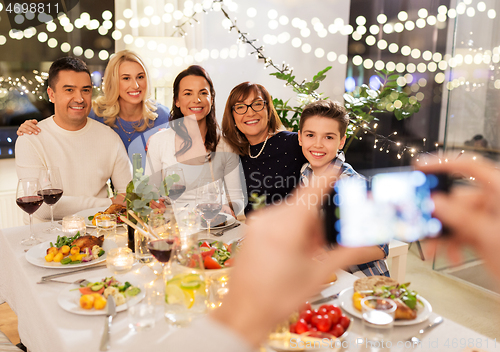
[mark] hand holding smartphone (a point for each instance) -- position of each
(366, 212)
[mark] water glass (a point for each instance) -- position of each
(142, 315)
(142, 253)
(378, 320)
(120, 260)
(106, 225)
(217, 288)
(72, 224)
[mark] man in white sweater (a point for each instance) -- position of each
(88, 153)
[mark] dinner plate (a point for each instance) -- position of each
(229, 221)
(36, 256)
(423, 312)
(69, 297)
(89, 212)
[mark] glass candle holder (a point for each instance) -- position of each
(120, 260)
(72, 224)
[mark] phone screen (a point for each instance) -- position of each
(388, 205)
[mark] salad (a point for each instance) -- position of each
(95, 294)
(217, 254)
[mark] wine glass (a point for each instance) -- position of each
(174, 182)
(52, 191)
(29, 199)
(209, 200)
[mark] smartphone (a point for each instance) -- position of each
(373, 210)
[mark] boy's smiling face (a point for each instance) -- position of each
(320, 140)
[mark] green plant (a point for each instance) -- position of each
(140, 193)
(361, 104)
(364, 102)
(306, 93)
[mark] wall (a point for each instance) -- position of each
(229, 63)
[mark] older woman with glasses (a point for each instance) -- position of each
(271, 157)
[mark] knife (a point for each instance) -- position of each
(221, 232)
(325, 299)
(53, 276)
(107, 324)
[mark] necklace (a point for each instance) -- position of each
(124, 130)
(261, 149)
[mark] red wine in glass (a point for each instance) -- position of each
(51, 196)
(30, 204)
(52, 191)
(161, 249)
(176, 191)
(29, 200)
(209, 210)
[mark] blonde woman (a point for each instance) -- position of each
(126, 105)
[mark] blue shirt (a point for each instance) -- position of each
(276, 171)
(136, 142)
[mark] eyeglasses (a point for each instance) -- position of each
(256, 106)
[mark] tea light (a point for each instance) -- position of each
(73, 224)
(120, 260)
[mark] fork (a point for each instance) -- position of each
(80, 282)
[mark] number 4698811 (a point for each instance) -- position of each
(33, 7)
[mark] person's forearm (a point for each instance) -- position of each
(371, 254)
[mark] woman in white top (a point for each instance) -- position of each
(194, 142)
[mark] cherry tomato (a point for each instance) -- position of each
(293, 329)
(324, 323)
(322, 310)
(306, 315)
(327, 306)
(337, 330)
(337, 309)
(208, 253)
(211, 263)
(305, 306)
(334, 316)
(315, 320)
(229, 262)
(344, 321)
(301, 327)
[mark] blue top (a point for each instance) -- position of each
(132, 143)
(276, 171)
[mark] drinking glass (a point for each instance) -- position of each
(51, 191)
(29, 199)
(106, 225)
(73, 224)
(120, 260)
(378, 319)
(209, 200)
(174, 182)
(185, 282)
(143, 314)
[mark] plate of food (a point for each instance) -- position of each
(411, 307)
(92, 299)
(90, 214)
(221, 221)
(67, 252)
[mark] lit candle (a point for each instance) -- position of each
(120, 260)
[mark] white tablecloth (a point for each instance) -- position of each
(46, 327)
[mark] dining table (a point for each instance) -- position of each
(46, 327)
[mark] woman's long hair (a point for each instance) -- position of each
(213, 135)
(107, 105)
(232, 135)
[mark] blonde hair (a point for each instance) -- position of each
(107, 105)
